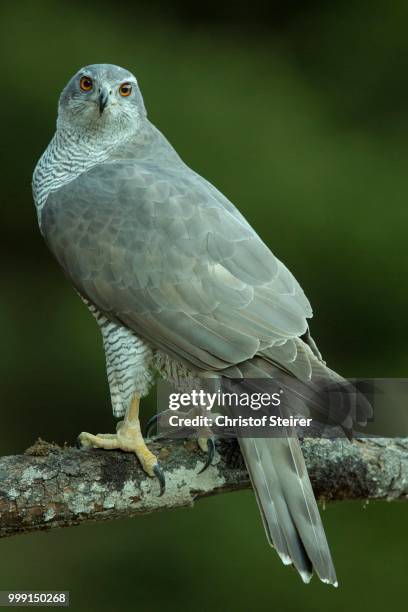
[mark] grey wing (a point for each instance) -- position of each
(160, 252)
(163, 253)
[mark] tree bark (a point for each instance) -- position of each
(50, 486)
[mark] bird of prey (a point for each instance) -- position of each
(179, 283)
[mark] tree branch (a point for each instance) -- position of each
(50, 486)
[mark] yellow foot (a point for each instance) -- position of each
(128, 438)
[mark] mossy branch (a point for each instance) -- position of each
(49, 486)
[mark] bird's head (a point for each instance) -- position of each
(100, 98)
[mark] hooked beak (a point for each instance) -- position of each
(103, 99)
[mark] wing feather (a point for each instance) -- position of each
(161, 250)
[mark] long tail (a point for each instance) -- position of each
(288, 506)
(276, 465)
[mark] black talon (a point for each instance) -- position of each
(78, 442)
(160, 477)
(151, 423)
(349, 433)
(210, 454)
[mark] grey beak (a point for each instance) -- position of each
(103, 99)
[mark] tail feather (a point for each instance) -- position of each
(288, 506)
(276, 465)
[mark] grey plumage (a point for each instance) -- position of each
(177, 277)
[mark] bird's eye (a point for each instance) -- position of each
(125, 90)
(86, 83)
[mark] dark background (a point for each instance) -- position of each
(298, 111)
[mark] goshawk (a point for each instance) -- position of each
(178, 282)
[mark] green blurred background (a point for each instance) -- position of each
(298, 111)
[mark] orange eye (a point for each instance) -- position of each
(86, 83)
(125, 89)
